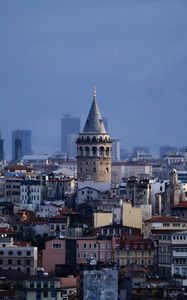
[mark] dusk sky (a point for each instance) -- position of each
(53, 52)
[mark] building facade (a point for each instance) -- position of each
(17, 257)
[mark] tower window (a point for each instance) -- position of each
(94, 151)
(107, 151)
(101, 151)
(107, 170)
(87, 151)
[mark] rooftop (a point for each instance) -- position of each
(170, 219)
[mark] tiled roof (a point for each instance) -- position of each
(182, 204)
(169, 219)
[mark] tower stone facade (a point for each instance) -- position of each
(94, 148)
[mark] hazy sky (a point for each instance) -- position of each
(53, 52)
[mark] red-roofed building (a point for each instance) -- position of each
(133, 249)
(163, 223)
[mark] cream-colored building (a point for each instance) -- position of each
(102, 219)
(131, 216)
(133, 250)
(163, 223)
(126, 215)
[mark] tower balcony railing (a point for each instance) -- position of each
(93, 141)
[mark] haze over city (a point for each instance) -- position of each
(53, 52)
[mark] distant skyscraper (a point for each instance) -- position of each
(69, 125)
(167, 150)
(116, 145)
(1, 148)
(21, 144)
(140, 149)
(71, 145)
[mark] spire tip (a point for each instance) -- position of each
(94, 92)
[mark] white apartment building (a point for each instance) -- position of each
(31, 195)
(17, 256)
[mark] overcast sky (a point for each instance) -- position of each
(53, 52)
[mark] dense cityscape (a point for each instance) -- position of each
(92, 221)
(93, 150)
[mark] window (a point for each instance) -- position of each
(45, 284)
(84, 245)
(38, 284)
(19, 262)
(53, 294)
(52, 285)
(1, 261)
(28, 270)
(9, 261)
(19, 253)
(1, 253)
(45, 294)
(28, 253)
(56, 246)
(28, 262)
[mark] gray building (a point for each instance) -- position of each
(69, 125)
(100, 284)
(165, 150)
(1, 148)
(116, 145)
(21, 144)
(141, 149)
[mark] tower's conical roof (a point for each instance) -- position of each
(94, 122)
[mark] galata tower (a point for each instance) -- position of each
(94, 148)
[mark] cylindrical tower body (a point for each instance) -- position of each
(94, 157)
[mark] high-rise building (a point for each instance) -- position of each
(1, 148)
(165, 150)
(94, 148)
(71, 145)
(140, 149)
(69, 125)
(21, 144)
(116, 145)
